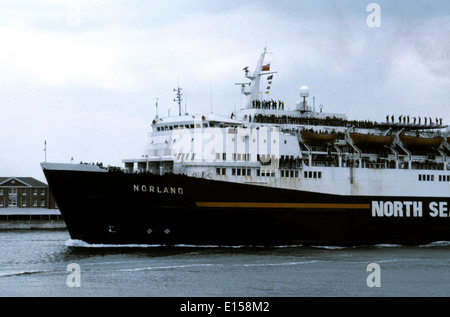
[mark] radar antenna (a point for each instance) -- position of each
(304, 92)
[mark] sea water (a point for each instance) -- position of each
(49, 264)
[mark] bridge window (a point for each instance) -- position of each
(427, 177)
(313, 174)
(221, 171)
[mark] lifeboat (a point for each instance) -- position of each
(372, 139)
(420, 142)
(311, 137)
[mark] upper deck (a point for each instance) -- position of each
(291, 133)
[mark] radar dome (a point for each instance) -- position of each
(304, 91)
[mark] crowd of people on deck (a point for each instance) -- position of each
(99, 164)
(328, 121)
(413, 120)
(268, 104)
(334, 121)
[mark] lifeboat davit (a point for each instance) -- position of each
(314, 138)
(372, 139)
(420, 142)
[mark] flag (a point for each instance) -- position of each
(265, 68)
(267, 92)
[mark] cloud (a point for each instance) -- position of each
(89, 89)
(55, 58)
(431, 42)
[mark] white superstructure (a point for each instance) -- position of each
(265, 144)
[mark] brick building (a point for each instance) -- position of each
(25, 192)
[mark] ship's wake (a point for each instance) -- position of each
(17, 273)
(83, 244)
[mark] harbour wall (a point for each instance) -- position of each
(31, 218)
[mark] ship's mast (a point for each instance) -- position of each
(252, 93)
(178, 99)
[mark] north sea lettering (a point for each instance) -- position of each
(409, 209)
(396, 209)
(171, 190)
(438, 209)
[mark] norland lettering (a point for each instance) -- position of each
(171, 190)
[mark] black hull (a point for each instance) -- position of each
(118, 208)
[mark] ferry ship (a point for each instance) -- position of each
(269, 174)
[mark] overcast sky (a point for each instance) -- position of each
(85, 75)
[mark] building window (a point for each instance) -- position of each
(24, 203)
(12, 202)
(42, 202)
